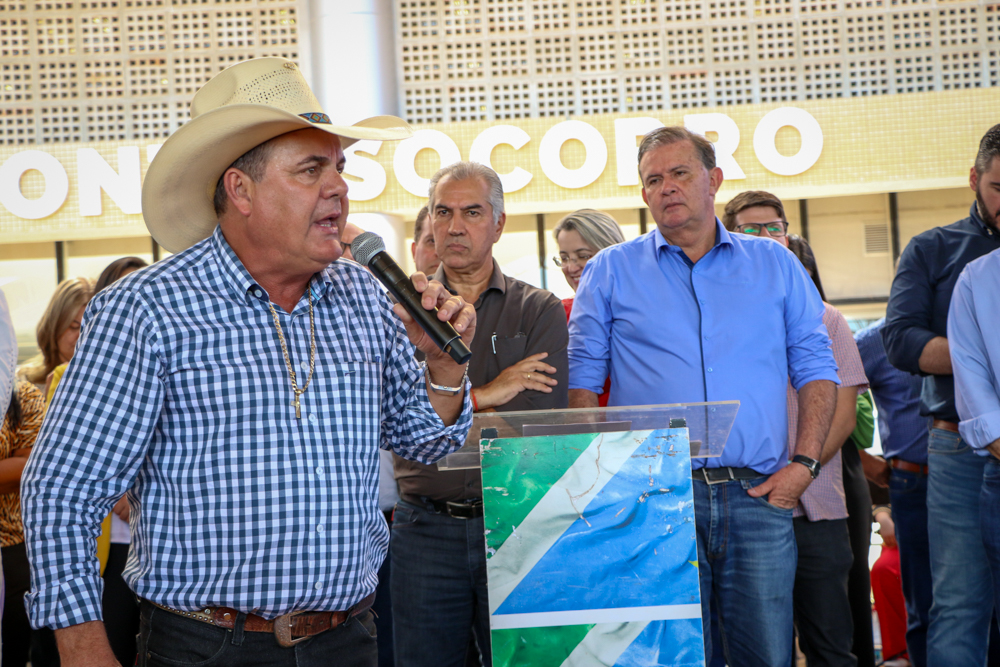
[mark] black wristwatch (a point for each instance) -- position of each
(812, 464)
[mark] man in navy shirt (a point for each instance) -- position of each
(904, 443)
(733, 317)
(916, 341)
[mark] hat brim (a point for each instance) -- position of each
(179, 187)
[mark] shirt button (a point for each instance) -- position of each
(319, 528)
(319, 470)
(304, 366)
(701, 301)
(312, 419)
(709, 369)
(257, 293)
(318, 585)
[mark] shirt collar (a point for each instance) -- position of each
(497, 280)
(722, 237)
(978, 221)
(242, 283)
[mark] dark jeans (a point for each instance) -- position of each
(908, 494)
(438, 588)
(16, 629)
(746, 569)
(169, 640)
(120, 608)
(989, 517)
(822, 610)
(859, 583)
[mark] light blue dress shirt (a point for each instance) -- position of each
(735, 326)
(973, 323)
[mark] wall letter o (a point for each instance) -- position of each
(406, 153)
(767, 129)
(56, 184)
(593, 165)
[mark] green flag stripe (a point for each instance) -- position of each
(538, 647)
(524, 475)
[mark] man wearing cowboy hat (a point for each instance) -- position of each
(239, 391)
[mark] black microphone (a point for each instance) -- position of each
(369, 250)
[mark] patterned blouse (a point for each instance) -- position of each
(32, 411)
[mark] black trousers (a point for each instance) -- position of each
(15, 627)
(859, 526)
(822, 609)
(169, 640)
(120, 608)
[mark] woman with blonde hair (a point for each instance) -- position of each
(59, 329)
(581, 235)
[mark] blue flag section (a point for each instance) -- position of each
(592, 550)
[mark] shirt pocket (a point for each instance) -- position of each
(510, 350)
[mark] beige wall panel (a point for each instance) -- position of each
(837, 236)
(920, 211)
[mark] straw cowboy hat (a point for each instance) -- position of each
(240, 108)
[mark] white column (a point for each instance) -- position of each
(352, 57)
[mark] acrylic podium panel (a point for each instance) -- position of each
(590, 534)
(708, 426)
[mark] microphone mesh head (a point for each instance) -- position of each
(365, 246)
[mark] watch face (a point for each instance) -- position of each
(811, 464)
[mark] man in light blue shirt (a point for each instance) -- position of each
(731, 317)
(973, 322)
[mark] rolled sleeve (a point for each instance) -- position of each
(90, 447)
(909, 312)
(808, 343)
(975, 389)
(410, 426)
(590, 330)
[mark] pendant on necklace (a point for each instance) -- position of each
(298, 409)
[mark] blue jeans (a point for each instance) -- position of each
(908, 494)
(989, 516)
(746, 563)
(961, 611)
(438, 583)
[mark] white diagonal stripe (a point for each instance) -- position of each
(548, 619)
(563, 504)
(604, 644)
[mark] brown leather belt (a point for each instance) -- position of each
(288, 629)
(945, 425)
(915, 468)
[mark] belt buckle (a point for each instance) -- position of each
(283, 630)
(710, 481)
(460, 510)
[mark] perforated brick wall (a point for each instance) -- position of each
(531, 58)
(97, 70)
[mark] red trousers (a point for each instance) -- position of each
(887, 588)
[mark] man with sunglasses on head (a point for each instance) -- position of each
(822, 607)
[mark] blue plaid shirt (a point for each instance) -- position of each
(178, 393)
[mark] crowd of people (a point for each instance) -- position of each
(228, 457)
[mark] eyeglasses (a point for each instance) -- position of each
(566, 260)
(776, 229)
